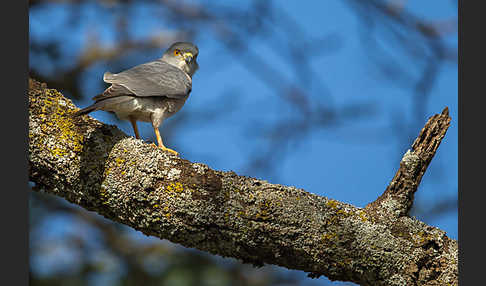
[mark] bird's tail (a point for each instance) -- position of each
(107, 76)
(86, 110)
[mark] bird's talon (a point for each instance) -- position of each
(171, 151)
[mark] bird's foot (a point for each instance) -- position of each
(170, 151)
(165, 149)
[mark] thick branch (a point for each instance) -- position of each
(101, 169)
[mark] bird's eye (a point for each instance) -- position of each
(177, 52)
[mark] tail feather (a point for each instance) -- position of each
(107, 76)
(86, 110)
(103, 104)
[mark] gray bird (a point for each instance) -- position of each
(150, 92)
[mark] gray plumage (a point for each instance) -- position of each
(152, 79)
(150, 92)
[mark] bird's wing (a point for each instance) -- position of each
(155, 78)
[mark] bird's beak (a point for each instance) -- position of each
(188, 57)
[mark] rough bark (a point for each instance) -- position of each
(100, 168)
(397, 199)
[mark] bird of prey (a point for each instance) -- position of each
(150, 92)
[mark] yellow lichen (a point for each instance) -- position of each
(264, 210)
(167, 214)
(55, 120)
(326, 237)
(175, 187)
(332, 220)
(332, 204)
(343, 212)
(362, 215)
(119, 161)
(423, 237)
(102, 191)
(107, 171)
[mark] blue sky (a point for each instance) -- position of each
(353, 162)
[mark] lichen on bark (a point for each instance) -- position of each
(100, 168)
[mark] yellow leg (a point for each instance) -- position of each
(135, 128)
(161, 144)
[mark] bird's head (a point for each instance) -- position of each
(182, 55)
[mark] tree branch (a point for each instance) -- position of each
(398, 196)
(102, 169)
